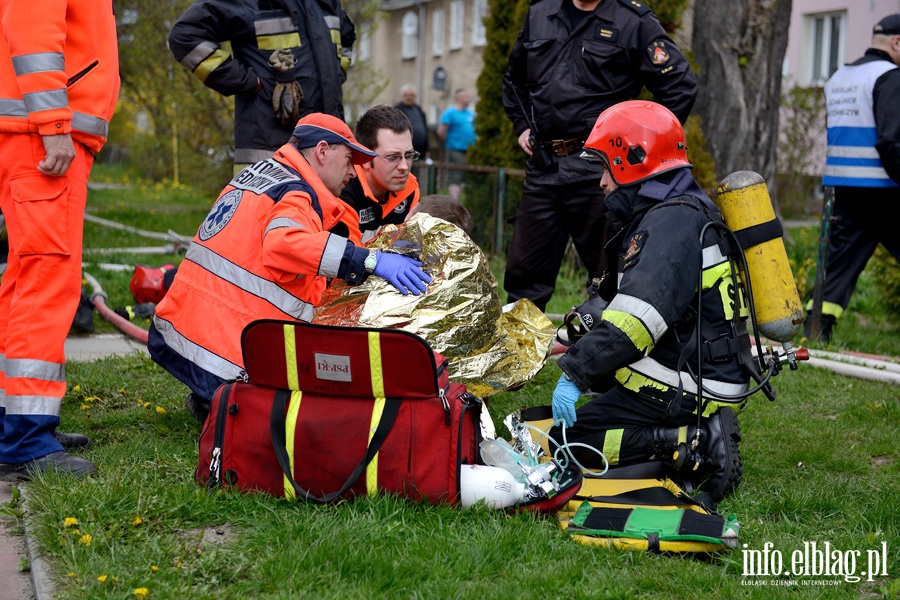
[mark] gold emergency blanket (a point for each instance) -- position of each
(490, 348)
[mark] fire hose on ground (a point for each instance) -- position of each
(98, 299)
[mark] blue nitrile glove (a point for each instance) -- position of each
(564, 397)
(402, 272)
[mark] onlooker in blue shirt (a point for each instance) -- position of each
(457, 131)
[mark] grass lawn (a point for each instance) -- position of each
(821, 465)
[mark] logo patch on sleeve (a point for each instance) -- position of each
(658, 53)
(220, 214)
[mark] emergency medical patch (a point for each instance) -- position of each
(658, 53)
(401, 208)
(220, 215)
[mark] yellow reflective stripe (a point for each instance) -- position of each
(612, 445)
(274, 42)
(210, 64)
(631, 326)
(682, 434)
(377, 408)
(828, 308)
(336, 39)
(290, 432)
(290, 356)
(713, 274)
(634, 381)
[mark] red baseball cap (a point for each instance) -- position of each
(319, 127)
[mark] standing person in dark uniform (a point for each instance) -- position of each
(863, 166)
(416, 116)
(659, 334)
(384, 190)
(296, 51)
(572, 60)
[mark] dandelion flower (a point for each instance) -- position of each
(70, 575)
(86, 539)
(137, 521)
(154, 568)
(84, 407)
(70, 522)
(141, 592)
(102, 578)
(161, 410)
(146, 405)
(77, 388)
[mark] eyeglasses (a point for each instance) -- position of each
(396, 158)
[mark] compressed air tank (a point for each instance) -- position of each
(744, 201)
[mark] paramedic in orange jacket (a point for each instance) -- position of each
(384, 190)
(265, 251)
(59, 80)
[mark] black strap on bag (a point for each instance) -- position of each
(279, 441)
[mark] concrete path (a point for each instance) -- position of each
(34, 582)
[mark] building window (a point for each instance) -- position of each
(457, 16)
(479, 14)
(410, 29)
(825, 34)
(437, 32)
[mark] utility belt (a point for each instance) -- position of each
(566, 147)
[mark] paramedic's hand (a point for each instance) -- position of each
(60, 154)
(402, 272)
(564, 397)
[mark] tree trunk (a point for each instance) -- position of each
(740, 46)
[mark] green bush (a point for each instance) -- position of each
(886, 273)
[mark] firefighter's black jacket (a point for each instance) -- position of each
(568, 76)
(227, 44)
(653, 308)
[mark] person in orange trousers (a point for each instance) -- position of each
(59, 82)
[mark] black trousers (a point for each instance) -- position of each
(862, 218)
(548, 215)
(641, 418)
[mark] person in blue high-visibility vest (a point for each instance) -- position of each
(862, 165)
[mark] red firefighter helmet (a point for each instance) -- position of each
(636, 140)
(150, 284)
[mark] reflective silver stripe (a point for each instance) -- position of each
(89, 124)
(856, 172)
(250, 283)
(713, 256)
(332, 256)
(652, 369)
(283, 222)
(248, 156)
(12, 108)
(333, 22)
(37, 101)
(35, 369)
(649, 316)
(33, 405)
(274, 26)
(39, 63)
(2, 398)
(200, 53)
(853, 152)
(196, 353)
(3, 362)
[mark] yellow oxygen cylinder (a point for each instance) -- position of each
(747, 210)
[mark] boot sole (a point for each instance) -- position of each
(731, 431)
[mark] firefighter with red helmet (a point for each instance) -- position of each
(667, 350)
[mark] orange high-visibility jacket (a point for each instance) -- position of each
(58, 73)
(265, 251)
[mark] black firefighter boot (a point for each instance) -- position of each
(714, 466)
